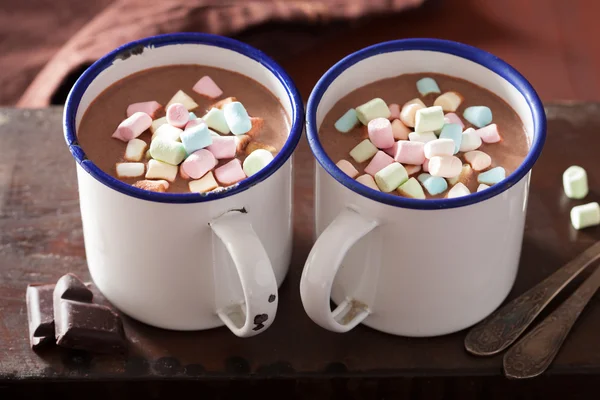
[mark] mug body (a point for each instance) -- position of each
(154, 255)
(430, 267)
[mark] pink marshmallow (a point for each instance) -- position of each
(230, 173)
(489, 134)
(394, 111)
(197, 164)
(380, 133)
(399, 130)
(392, 150)
(410, 152)
(446, 166)
(426, 165)
(133, 126)
(177, 115)
(148, 107)
(378, 162)
(223, 147)
(207, 87)
(452, 118)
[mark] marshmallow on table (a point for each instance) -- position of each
(237, 118)
(410, 152)
(470, 140)
(197, 164)
(130, 169)
(161, 170)
(449, 101)
(453, 132)
(168, 151)
(223, 147)
(219, 104)
(363, 151)
(433, 184)
(177, 115)
(215, 119)
(482, 186)
(256, 161)
(204, 184)
(412, 169)
(378, 162)
(464, 175)
(399, 130)
(438, 148)
(160, 186)
(427, 85)
(368, 181)
(412, 188)
(489, 134)
(196, 136)
(157, 123)
(478, 160)
(394, 111)
(347, 121)
(135, 150)
(585, 215)
(372, 109)
(423, 137)
(429, 119)
(445, 167)
(391, 177)
(492, 176)
(167, 131)
(230, 173)
(380, 133)
(133, 126)
(409, 111)
(347, 168)
(479, 116)
(183, 98)
(148, 107)
(451, 118)
(257, 145)
(207, 87)
(575, 182)
(458, 190)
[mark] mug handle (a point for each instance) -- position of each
(255, 272)
(321, 267)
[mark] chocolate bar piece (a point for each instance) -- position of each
(40, 314)
(70, 287)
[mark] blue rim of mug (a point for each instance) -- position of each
(467, 52)
(136, 47)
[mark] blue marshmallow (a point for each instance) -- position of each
(433, 184)
(492, 176)
(196, 137)
(479, 116)
(193, 116)
(347, 121)
(237, 118)
(454, 132)
(427, 85)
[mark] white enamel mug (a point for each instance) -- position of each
(188, 261)
(406, 266)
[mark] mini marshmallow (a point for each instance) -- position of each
(347, 168)
(215, 119)
(575, 183)
(409, 112)
(449, 101)
(585, 215)
(412, 188)
(347, 121)
(489, 134)
(492, 176)
(433, 184)
(380, 133)
(222, 147)
(133, 126)
(182, 173)
(368, 181)
(161, 170)
(427, 85)
(196, 136)
(445, 167)
(438, 148)
(470, 140)
(148, 107)
(135, 150)
(378, 162)
(183, 98)
(391, 151)
(423, 137)
(192, 116)
(157, 123)
(390, 177)
(160, 186)
(197, 164)
(412, 169)
(237, 118)
(453, 132)
(458, 190)
(394, 111)
(479, 116)
(219, 104)
(464, 175)
(242, 142)
(204, 184)
(426, 165)
(167, 131)
(257, 124)
(372, 109)
(399, 130)
(482, 186)
(416, 100)
(363, 151)
(207, 87)
(177, 115)
(429, 119)
(168, 151)
(478, 160)
(257, 145)
(230, 173)
(410, 152)
(130, 169)
(256, 161)
(451, 118)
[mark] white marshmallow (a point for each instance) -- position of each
(135, 150)
(439, 148)
(423, 137)
(157, 123)
(458, 190)
(161, 170)
(449, 101)
(446, 167)
(183, 98)
(130, 170)
(470, 140)
(478, 160)
(482, 186)
(169, 132)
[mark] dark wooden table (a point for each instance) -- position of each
(41, 239)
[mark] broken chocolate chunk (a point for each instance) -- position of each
(40, 314)
(70, 287)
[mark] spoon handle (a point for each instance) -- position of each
(503, 327)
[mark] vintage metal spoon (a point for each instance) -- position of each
(533, 354)
(503, 327)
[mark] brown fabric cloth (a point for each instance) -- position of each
(47, 44)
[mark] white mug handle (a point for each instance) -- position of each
(256, 276)
(321, 267)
